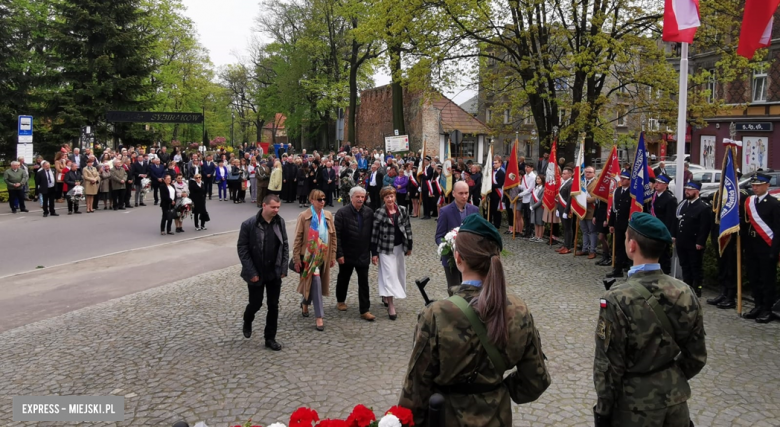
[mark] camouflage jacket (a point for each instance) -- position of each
(447, 352)
(638, 366)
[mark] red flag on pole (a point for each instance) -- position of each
(512, 177)
(552, 179)
(681, 19)
(606, 181)
(756, 31)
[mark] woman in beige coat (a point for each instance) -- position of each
(91, 183)
(104, 189)
(314, 256)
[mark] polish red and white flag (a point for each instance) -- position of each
(681, 19)
(756, 31)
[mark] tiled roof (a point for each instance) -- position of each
(280, 119)
(454, 117)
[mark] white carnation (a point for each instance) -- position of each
(277, 425)
(390, 420)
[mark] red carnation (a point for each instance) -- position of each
(361, 417)
(333, 423)
(303, 417)
(403, 414)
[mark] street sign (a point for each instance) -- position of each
(754, 127)
(26, 151)
(25, 129)
(456, 137)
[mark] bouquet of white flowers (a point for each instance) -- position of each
(447, 246)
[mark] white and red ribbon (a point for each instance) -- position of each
(761, 227)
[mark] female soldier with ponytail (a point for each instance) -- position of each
(463, 345)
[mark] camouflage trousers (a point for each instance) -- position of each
(673, 416)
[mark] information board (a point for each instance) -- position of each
(396, 144)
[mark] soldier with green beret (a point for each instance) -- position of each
(465, 344)
(649, 338)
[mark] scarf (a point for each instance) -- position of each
(317, 243)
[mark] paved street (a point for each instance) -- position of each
(176, 350)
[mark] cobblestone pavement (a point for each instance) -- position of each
(177, 351)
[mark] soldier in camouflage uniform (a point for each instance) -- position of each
(448, 357)
(645, 355)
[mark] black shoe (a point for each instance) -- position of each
(247, 330)
(24, 210)
(273, 345)
(54, 214)
(121, 209)
(727, 303)
(618, 273)
(717, 300)
(752, 314)
(426, 217)
(45, 214)
(128, 207)
(136, 205)
(392, 316)
(70, 213)
(171, 233)
(156, 202)
(13, 210)
(142, 204)
(77, 213)
(766, 316)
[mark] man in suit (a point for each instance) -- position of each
(164, 156)
(45, 185)
(563, 210)
(496, 193)
(429, 203)
(78, 159)
(194, 168)
(289, 179)
(690, 235)
(262, 178)
(157, 175)
(140, 171)
(660, 170)
(374, 185)
(618, 222)
(761, 230)
(329, 180)
(452, 216)
(541, 165)
(664, 206)
(208, 172)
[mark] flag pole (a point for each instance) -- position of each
(682, 109)
(576, 232)
(613, 250)
(739, 274)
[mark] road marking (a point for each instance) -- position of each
(203, 236)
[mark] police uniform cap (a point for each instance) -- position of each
(625, 174)
(663, 178)
(693, 185)
(650, 227)
(475, 224)
(761, 178)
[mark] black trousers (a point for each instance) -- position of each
(118, 196)
(273, 288)
(16, 197)
(495, 214)
(691, 262)
(233, 188)
(209, 184)
(528, 228)
(568, 232)
(72, 206)
(666, 260)
(621, 259)
(510, 218)
(48, 201)
(429, 205)
(762, 271)
(155, 190)
(198, 217)
(292, 190)
(342, 285)
(727, 269)
(328, 196)
(165, 223)
(373, 193)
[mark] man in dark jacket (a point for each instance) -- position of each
(690, 235)
(354, 224)
(289, 179)
(157, 174)
(264, 252)
(664, 206)
(618, 223)
(140, 170)
(329, 182)
(209, 171)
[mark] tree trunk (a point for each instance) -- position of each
(398, 93)
(352, 116)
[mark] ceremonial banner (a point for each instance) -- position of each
(446, 170)
(729, 200)
(605, 184)
(756, 31)
(681, 19)
(641, 191)
(421, 169)
(487, 173)
(512, 178)
(579, 191)
(552, 179)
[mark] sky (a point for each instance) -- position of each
(225, 28)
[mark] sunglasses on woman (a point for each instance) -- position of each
(320, 200)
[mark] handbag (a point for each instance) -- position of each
(243, 185)
(170, 215)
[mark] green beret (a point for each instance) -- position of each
(650, 227)
(475, 224)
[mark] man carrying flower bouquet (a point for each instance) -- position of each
(452, 216)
